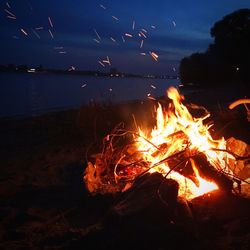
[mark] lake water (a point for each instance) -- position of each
(31, 94)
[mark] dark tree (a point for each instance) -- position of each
(227, 58)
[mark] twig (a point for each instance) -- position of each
(237, 157)
(162, 161)
(135, 123)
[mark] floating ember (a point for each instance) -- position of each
(180, 147)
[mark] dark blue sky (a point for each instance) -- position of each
(175, 28)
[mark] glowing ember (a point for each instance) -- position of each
(151, 98)
(107, 61)
(102, 6)
(133, 25)
(112, 39)
(128, 35)
(141, 44)
(141, 33)
(8, 5)
(10, 13)
(36, 34)
(11, 17)
(101, 63)
(95, 40)
(51, 34)
(154, 55)
(114, 17)
(50, 22)
(98, 36)
(24, 32)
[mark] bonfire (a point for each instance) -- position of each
(180, 147)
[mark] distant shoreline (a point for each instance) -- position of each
(72, 71)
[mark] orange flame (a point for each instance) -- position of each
(193, 134)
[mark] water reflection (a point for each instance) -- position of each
(26, 94)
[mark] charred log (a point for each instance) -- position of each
(150, 216)
(148, 190)
(207, 171)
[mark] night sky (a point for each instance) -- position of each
(83, 32)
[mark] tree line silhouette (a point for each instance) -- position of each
(227, 59)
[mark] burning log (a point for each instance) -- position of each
(207, 171)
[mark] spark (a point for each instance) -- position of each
(133, 25)
(152, 86)
(84, 85)
(143, 53)
(123, 39)
(97, 41)
(24, 32)
(153, 27)
(50, 22)
(72, 68)
(114, 17)
(97, 34)
(107, 61)
(145, 31)
(154, 55)
(36, 34)
(174, 23)
(39, 28)
(103, 7)
(10, 13)
(128, 35)
(62, 52)
(143, 34)
(174, 69)
(11, 17)
(101, 63)
(59, 47)
(139, 34)
(8, 5)
(51, 34)
(110, 89)
(112, 39)
(151, 98)
(141, 44)
(148, 94)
